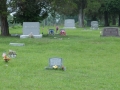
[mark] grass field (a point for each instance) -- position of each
(92, 62)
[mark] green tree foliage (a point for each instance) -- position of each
(65, 7)
(92, 9)
(31, 11)
(110, 10)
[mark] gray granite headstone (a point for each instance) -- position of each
(69, 23)
(94, 24)
(55, 61)
(110, 31)
(29, 27)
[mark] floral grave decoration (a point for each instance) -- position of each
(7, 57)
(56, 67)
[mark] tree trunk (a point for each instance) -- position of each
(4, 23)
(106, 18)
(4, 26)
(119, 20)
(113, 19)
(81, 18)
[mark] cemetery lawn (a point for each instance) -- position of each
(92, 62)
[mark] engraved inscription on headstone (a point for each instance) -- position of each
(29, 27)
(110, 31)
(94, 24)
(69, 23)
(55, 61)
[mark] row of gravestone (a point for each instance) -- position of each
(33, 29)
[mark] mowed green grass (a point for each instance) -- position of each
(92, 62)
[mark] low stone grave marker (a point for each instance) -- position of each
(17, 44)
(110, 31)
(55, 63)
(69, 23)
(94, 25)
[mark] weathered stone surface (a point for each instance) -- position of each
(110, 31)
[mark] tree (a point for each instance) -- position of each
(81, 6)
(114, 7)
(92, 9)
(36, 7)
(62, 7)
(31, 11)
(110, 8)
(3, 16)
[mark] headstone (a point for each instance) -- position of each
(110, 31)
(55, 61)
(31, 27)
(69, 23)
(94, 24)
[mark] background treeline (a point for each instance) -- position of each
(52, 12)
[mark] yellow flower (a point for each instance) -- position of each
(55, 66)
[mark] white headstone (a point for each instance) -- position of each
(31, 28)
(69, 23)
(94, 24)
(55, 61)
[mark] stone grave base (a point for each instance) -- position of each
(69, 27)
(34, 36)
(17, 44)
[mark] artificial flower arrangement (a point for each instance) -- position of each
(5, 57)
(11, 54)
(31, 35)
(56, 67)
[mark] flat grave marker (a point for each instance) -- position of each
(17, 44)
